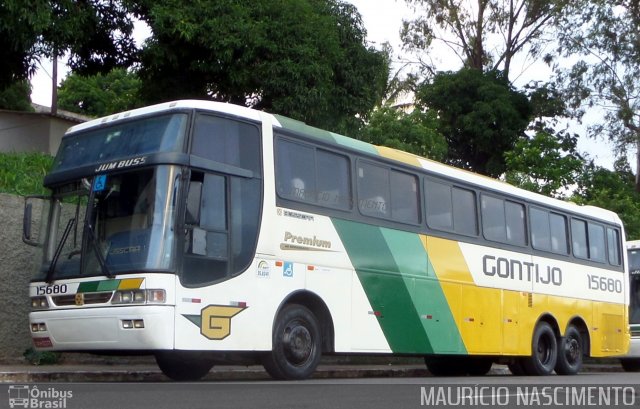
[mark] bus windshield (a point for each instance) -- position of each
(157, 134)
(634, 286)
(117, 223)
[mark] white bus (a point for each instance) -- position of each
(631, 362)
(204, 233)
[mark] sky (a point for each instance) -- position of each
(383, 21)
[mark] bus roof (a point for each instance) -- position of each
(353, 144)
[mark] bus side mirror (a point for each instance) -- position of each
(193, 203)
(28, 235)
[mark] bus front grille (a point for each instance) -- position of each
(89, 298)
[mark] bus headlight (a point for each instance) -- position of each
(39, 303)
(152, 296)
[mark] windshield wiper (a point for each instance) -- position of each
(96, 249)
(65, 235)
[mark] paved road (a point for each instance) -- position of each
(586, 390)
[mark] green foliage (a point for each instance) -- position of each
(544, 164)
(606, 37)
(22, 23)
(16, 97)
(517, 26)
(97, 35)
(415, 132)
(613, 190)
(23, 173)
(304, 59)
(481, 116)
(42, 357)
(100, 95)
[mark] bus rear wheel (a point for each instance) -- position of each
(544, 351)
(569, 352)
(296, 347)
(183, 365)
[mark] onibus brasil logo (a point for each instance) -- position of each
(30, 396)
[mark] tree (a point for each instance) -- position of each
(413, 132)
(544, 164)
(97, 34)
(606, 34)
(16, 96)
(22, 22)
(100, 95)
(480, 115)
(613, 190)
(484, 34)
(305, 59)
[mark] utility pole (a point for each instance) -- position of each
(54, 89)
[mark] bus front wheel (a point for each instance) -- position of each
(544, 351)
(183, 365)
(296, 345)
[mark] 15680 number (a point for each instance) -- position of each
(51, 289)
(604, 284)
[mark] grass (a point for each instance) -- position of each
(22, 173)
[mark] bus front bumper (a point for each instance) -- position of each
(136, 328)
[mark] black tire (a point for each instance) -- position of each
(297, 344)
(570, 352)
(544, 351)
(446, 365)
(630, 364)
(184, 365)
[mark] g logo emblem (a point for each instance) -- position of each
(216, 320)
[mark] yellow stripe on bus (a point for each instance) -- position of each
(130, 283)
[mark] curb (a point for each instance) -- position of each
(88, 373)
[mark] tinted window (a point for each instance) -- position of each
(227, 141)
(307, 174)
(493, 219)
(439, 206)
(464, 211)
(296, 172)
(558, 228)
(515, 220)
(613, 245)
(579, 238)
(540, 229)
(596, 242)
(134, 138)
(373, 190)
(450, 208)
(503, 221)
(404, 197)
(548, 231)
(334, 189)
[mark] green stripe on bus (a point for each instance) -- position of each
(301, 127)
(88, 287)
(426, 293)
(334, 138)
(108, 285)
(355, 144)
(385, 287)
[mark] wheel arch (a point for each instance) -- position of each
(319, 308)
(552, 321)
